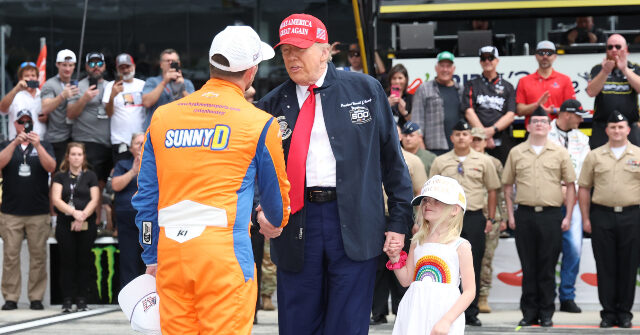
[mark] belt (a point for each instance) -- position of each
(537, 209)
(321, 194)
(616, 209)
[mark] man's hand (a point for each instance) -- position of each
(91, 92)
(586, 225)
(334, 48)
(392, 241)
(136, 165)
(118, 87)
(512, 222)
(608, 65)
(179, 78)
(34, 139)
(566, 224)
(69, 91)
(152, 270)
(621, 60)
(490, 143)
(21, 85)
(488, 226)
(266, 228)
(170, 75)
(503, 225)
(543, 98)
(21, 138)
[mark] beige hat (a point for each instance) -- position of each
(443, 189)
(140, 302)
(479, 133)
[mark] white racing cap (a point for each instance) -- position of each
(545, 45)
(444, 189)
(241, 46)
(65, 55)
(141, 304)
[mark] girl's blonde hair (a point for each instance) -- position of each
(454, 223)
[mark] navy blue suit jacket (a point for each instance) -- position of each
(364, 141)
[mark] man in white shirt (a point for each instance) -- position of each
(123, 103)
(25, 96)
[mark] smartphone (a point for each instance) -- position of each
(28, 127)
(33, 83)
(119, 77)
(395, 91)
(73, 82)
(93, 81)
(175, 65)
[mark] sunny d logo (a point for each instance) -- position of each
(110, 252)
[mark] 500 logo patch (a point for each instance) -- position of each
(360, 114)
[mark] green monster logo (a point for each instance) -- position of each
(111, 261)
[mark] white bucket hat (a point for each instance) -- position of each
(443, 189)
(141, 304)
(242, 47)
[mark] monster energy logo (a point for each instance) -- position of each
(110, 251)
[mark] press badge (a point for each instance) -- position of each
(24, 170)
(122, 148)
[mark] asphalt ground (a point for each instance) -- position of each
(108, 319)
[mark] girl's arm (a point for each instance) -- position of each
(405, 273)
(56, 198)
(468, 291)
(95, 201)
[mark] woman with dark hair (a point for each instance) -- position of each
(399, 99)
(75, 195)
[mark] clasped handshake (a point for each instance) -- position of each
(393, 245)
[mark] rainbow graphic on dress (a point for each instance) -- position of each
(433, 267)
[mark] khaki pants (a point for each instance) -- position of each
(486, 274)
(12, 230)
(268, 272)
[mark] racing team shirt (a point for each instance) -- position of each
(533, 86)
(616, 94)
(490, 99)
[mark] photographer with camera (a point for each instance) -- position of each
(25, 96)
(167, 87)
(26, 163)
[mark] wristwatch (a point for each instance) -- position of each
(493, 221)
(495, 129)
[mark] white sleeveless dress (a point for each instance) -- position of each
(434, 290)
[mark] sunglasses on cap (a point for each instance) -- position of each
(487, 57)
(27, 64)
(94, 64)
(544, 52)
(611, 46)
(354, 54)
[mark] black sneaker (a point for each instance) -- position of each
(569, 306)
(9, 305)
(36, 305)
(81, 304)
(376, 320)
(67, 305)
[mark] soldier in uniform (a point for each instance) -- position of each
(611, 216)
(476, 173)
(479, 144)
(538, 167)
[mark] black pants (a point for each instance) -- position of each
(257, 245)
(74, 250)
(599, 137)
(59, 149)
(614, 238)
(502, 152)
(539, 242)
(387, 283)
(131, 265)
(473, 231)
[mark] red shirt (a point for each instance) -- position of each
(533, 86)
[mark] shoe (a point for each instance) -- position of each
(376, 320)
(605, 323)
(36, 305)
(569, 306)
(527, 323)
(267, 305)
(473, 321)
(67, 305)
(483, 305)
(81, 304)
(625, 323)
(9, 305)
(546, 323)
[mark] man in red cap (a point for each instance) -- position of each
(340, 144)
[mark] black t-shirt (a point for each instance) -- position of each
(451, 102)
(408, 98)
(490, 99)
(25, 195)
(81, 188)
(616, 94)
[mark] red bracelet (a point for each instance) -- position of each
(399, 264)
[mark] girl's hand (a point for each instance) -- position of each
(78, 215)
(76, 225)
(441, 328)
(393, 100)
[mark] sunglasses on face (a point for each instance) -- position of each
(94, 64)
(22, 121)
(354, 53)
(27, 64)
(611, 46)
(489, 58)
(547, 53)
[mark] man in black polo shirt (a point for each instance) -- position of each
(489, 102)
(26, 163)
(615, 83)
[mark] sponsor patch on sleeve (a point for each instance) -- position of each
(146, 232)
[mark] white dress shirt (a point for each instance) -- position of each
(321, 164)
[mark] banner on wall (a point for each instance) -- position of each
(512, 68)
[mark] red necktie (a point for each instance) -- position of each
(298, 149)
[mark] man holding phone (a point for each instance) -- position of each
(168, 86)
(25, 96)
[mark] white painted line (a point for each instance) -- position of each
(55, 319)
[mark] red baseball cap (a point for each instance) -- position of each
(302, 31)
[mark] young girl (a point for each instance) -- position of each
(438, 259)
